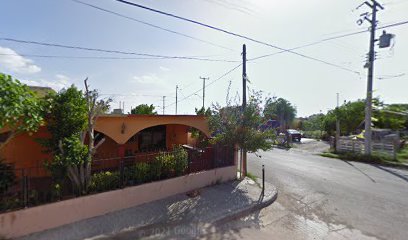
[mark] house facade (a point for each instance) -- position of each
(124, 136)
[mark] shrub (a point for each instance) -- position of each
(180, 160)
(155, 169)
(104, 181)
(8, 203)
(7, 176)
(138, 173)
(167, 164)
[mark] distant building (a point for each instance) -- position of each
(117, 111)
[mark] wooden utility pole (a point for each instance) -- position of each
(204, 78)
(244, 103)
(244, 76)
(337, 123)
(375, 6)
(176, 97)
(164, 106)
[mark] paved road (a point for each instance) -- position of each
(322, 198)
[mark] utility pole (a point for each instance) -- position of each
(204, 78)
(375, 6)
(244, 81)
(337, 123)
(176, 97)
(244, 76)
(164, 106)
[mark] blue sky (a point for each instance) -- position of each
(309, 85)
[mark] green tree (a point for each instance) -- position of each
(66, 116)
(280, 109)
(72, 116)
(67, 122)
(314, 122)
(232, 126)
(392, 116)
(351, 116)
(20, 110)
(144, 109)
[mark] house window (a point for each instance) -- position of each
(152, 139)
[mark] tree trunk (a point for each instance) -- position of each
(73, 175)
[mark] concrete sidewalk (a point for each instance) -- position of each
(179, 216)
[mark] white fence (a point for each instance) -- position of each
(357, 146)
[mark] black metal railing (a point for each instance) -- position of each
(34, 186)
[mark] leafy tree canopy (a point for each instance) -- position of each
(279, 109)
(144, 109)
(313, 123)
(392, 116)
(351, 116)
(66, 116)
(231, 125)
(20, 110)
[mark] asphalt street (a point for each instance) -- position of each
(321, 198)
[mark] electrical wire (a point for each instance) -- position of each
(236, 35)
(151, 25)
(209, 84)
(112, 51)
(328, 39)
(79, 57)
(135, 95)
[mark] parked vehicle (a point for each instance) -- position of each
(296, 135)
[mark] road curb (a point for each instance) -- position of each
(375, 164)
(267, 200)
(205, 226)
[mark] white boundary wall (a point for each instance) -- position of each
(22, 222)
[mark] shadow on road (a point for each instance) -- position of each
(365, 174)
(405, 178)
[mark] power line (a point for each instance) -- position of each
(393, 25)
(236, 35)
(209, 84)
(97, 57)
(151, 25)
(112, 51)
(328, 39)
(133, 95)
(78, 57)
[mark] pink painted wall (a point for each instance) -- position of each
(36, 219)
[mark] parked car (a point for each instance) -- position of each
(296, 135)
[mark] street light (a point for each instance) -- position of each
(200, 97)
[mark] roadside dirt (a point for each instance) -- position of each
(311, 146)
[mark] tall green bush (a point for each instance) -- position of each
(180, 160)
(104, 181)
(139, 173)
(167, 164)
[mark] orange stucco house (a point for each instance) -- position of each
(125, 135)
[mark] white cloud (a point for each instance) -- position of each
(60, 82)
(164, 69)
(148, 79)
(12, 61)
(151, 83)
(62, 79)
